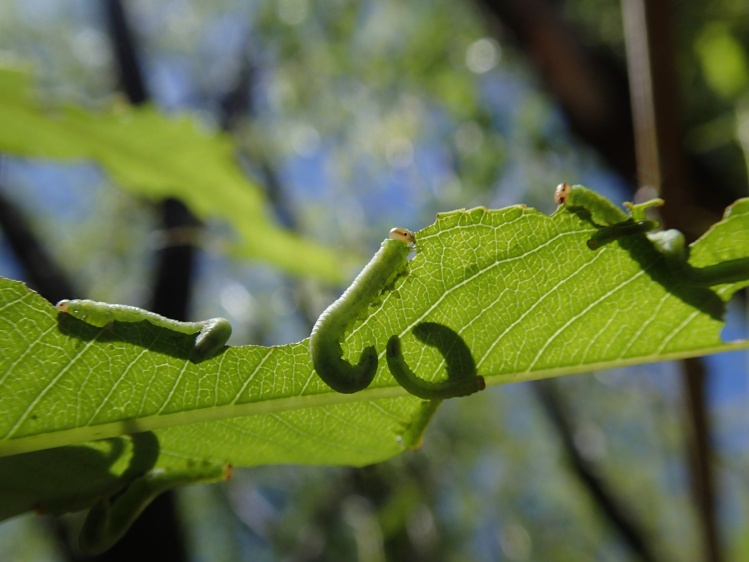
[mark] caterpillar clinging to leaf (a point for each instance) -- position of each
(672, 245)
(212, 334)
(611, 220)
(328, 332)
(616, 224)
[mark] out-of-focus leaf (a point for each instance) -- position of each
(158, 156)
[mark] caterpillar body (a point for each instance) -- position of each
(612, 221)
(328, 332)
(212, 334)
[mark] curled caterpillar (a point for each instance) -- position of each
(612, 221)
(328, 332)
(614, 224)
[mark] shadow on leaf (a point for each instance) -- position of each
(70, 478)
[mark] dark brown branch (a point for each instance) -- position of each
(700, 455)
(592, 91)
(589, 87)
(126, 55)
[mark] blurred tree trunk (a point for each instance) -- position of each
(644, 146)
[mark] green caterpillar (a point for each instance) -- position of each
(325, 341)
(616, 224)
(613, 222)
(212, 334)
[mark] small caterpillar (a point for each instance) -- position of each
(601, 211)
(613, 222)
(616, 224)
(212, 334)
(461, 368)
(325, 341)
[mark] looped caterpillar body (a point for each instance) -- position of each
(613, 222)
(212, 334)
(461, 368)
(616, 224)
(328, 332)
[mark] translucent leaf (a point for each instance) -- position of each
(157, 156)
(521, 288)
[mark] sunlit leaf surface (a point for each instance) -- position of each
(520, 287)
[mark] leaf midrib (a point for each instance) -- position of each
(74, 436)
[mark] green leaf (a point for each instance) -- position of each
(723, 60)
(157, 157)
(520, 287)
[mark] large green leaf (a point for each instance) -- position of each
(158, 156)
(520, 287)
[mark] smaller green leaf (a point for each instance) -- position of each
(157, 156)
